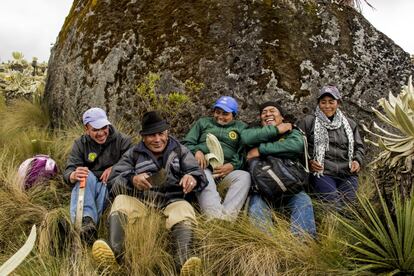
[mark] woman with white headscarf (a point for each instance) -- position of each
(335, 147)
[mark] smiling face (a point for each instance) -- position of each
(328, 105)
(222, 117)
(271, 116)
(156, 142)
(98, 135)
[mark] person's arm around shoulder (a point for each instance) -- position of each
(290, 143)
(255, 135)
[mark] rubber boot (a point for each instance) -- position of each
(182, 235)
(110, 254)
(117, 221)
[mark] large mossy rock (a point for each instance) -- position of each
(131, 56)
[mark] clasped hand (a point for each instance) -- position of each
(141, 182)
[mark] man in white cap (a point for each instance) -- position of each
(92, 157)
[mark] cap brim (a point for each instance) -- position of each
(329, 94)
(156, 129)
(99, 123)
(222, 106)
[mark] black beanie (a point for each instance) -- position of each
(270, 103)
(153, 122)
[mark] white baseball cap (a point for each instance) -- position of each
(96, 117)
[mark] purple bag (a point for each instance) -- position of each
(32, 170)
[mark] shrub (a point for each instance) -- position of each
(382, 242)
(395, 162)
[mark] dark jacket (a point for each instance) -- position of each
(336, 158)
(87, 153)
(228, 135)
(269, 142)
(176, 160)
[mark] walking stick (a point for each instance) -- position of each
(79, 207)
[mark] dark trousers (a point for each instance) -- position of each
(335, 190)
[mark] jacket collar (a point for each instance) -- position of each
(171, 145)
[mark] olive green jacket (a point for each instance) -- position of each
(228, 135)
(269, 142)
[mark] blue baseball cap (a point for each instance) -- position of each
(227, 103)
(96, 117)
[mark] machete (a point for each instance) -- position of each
(79, 206)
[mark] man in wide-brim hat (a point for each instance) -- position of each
(157, 172)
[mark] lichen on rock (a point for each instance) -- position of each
(252, 50)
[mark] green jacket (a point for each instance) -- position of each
(269, 142)
(228, 135)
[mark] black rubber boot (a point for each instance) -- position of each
(182, 236)
(117, 221)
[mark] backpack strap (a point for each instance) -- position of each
(305, 147)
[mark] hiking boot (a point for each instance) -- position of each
(88, 232)
(192, 267)
(103, 254)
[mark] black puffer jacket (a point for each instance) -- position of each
(87, 153)
(177, 161)
(336, 159)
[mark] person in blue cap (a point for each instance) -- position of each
(226, 129)
(92, 157)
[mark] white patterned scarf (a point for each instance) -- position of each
(321, 141)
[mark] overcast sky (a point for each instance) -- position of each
(31, 26)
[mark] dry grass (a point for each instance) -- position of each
(22, 115)
(25, 131)
(147, 248)
(225, 248)
(242, 249)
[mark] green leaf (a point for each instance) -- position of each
(383, 242)
(406, 123)
(382, 117)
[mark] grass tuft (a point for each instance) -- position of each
(147, 246)
(241, 249)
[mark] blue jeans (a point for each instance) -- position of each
(94, 201)
(336, 190)
(301, 214)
